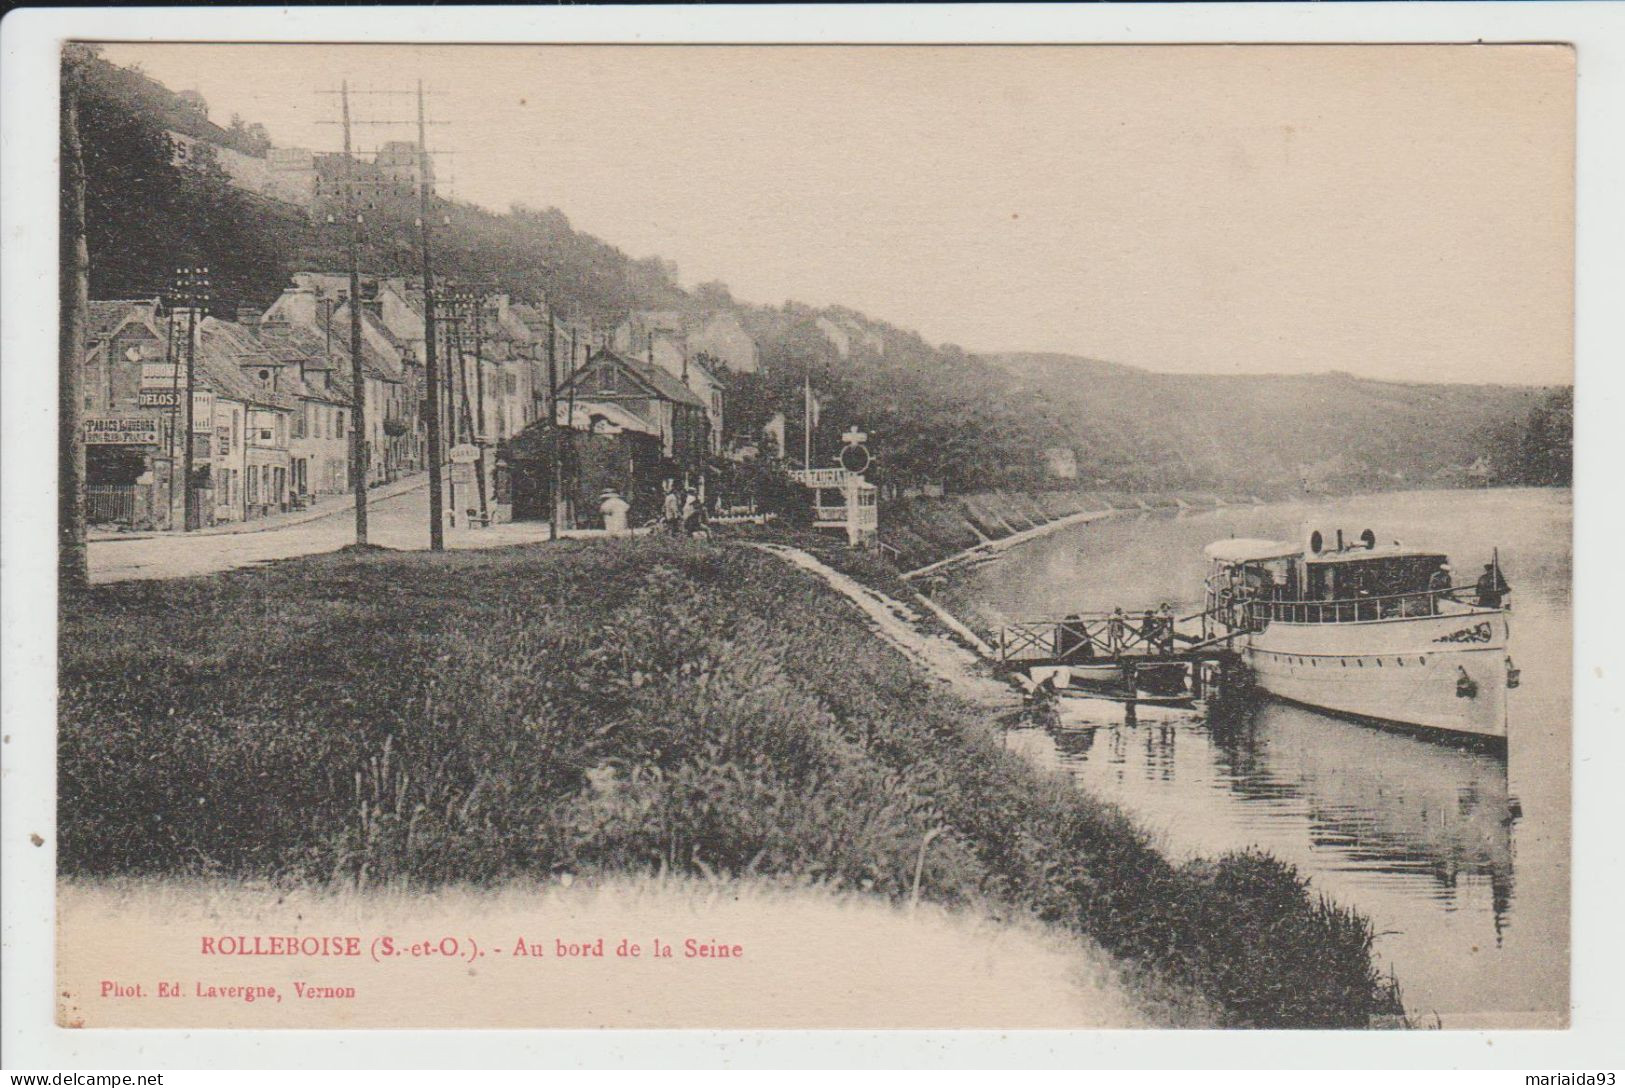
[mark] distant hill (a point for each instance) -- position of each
(1331, 430)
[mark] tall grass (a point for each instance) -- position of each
(631, 706)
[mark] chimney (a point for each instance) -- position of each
(248, 315)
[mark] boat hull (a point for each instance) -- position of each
(1096, 675)
(1166, 678)
(1446, 672)
(1081, 677)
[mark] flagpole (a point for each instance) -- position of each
(806, 419)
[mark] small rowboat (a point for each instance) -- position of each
(1164, 678)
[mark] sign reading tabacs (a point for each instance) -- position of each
(121, 431)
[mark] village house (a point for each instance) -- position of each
(671, 352)
(253, 422)
(1061, 463)
(508, 346)
(721, 337)
(603, 445)
(133, 389)
(135, 396)
(319, 447)
(717, 334)
(320, 302)
(676, 412)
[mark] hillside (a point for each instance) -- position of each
(1332, 430)
(935, 413)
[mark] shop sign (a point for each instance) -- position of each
(162, 376)
(121, 431)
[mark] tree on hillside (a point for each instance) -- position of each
(249, 139)
(1547, 454)
(147, 214)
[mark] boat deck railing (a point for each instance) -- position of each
(1250, 613)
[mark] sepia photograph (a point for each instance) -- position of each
(814, 536)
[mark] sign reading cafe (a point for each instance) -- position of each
(121, 431)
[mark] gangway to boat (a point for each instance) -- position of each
(1108, 636)
(1114, 650)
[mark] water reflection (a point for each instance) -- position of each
(1385, 802)
(1371, 801)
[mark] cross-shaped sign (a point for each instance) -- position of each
(853, 436)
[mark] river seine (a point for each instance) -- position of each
(1460, 858)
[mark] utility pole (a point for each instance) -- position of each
(569, 478)
(557, 467)
(477, 301)
(431, 375)
(358, 377)
(806, 418)
(173, 358)
(73, 567)
(195, 292)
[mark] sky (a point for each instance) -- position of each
(1396, 212)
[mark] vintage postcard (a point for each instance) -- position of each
(815, 536)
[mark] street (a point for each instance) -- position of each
(400, 521)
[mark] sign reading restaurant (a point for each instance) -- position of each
(121, 431)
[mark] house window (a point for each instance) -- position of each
(340, 429)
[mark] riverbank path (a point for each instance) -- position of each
(953, 664)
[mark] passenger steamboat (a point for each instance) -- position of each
(1376, 631)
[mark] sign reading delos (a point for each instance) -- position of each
(464, 454)
(121, 431)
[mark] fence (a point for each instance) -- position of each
(110, 503)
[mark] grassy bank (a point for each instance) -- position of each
(634, 706)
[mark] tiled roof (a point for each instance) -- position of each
(376, 363)
(534, 319)
(105, 316)
(298, 344)
(224, 348)
(716, 379)
(307, 349)
(663, 384)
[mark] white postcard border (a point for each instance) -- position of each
(28, 45)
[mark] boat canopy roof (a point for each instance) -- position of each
(1381, 551)
(1250, 550)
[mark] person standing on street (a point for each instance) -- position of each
(671, 510)
(614, 508)
(694, 520)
